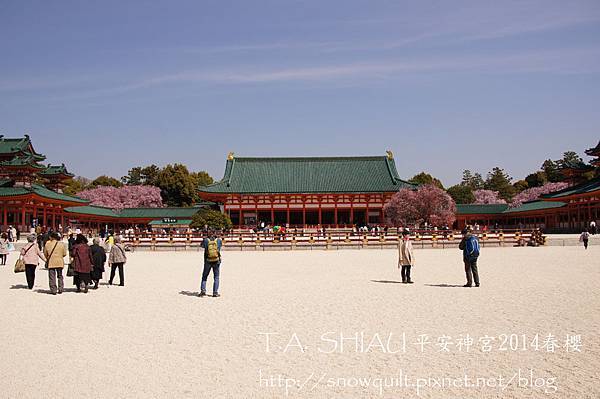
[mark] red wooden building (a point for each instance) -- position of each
(326, 191)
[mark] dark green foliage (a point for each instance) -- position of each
(211, 218)
(498, 180)
(461, 194)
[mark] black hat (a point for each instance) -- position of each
(405, 232)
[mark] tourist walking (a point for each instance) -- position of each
(4, 248)
(593, 227)
(98, 258)
(212, 261)
(81, 258)
(117, 260)
(31, 254)
(470, 247)
(584, 238)
(406, 258)
(55, 252)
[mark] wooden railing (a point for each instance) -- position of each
(246, 240)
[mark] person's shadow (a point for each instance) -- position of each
(444, 285)
(18, 287)
(188, 293)
(48, 292)
(386, 281)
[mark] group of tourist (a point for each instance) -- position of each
(85, 262)
(469, 245)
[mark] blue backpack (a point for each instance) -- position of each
(472, 248)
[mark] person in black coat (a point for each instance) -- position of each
(98, 259)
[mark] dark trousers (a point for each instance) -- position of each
(215, 267)
(471, 272)
(585, 244)
(113, 269)
(405, 273)
(3, 259)
(30, 275)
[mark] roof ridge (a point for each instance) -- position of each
(368, 157)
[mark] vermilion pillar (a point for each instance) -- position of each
(304, 211)
(320, 220)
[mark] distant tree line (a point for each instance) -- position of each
(498, 186)
(178, 186)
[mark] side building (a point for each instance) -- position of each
(326, 191)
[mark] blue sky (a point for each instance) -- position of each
(446, 85)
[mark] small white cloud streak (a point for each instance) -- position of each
(571, 61)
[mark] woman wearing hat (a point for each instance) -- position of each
(406, 258)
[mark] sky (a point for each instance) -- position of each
(445, 85)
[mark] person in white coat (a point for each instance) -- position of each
(406, 258)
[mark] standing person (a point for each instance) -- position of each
(116, 260)
(406, 258)
(3, 248)
(470, 247)
(81, 257)
(54, 252)
(31, 254)
(584, 238)
(593, 227)
(98, 258)
(212, 261)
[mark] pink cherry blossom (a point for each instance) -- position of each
(426, 204)
(534, 193)
(124, 197)
(487, 197)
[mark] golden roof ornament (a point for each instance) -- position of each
(230, 156)
(390, 154)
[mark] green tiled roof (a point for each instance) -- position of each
(594, 150)
(480, 209)
(92, 210)
(583, 188)
(157, 213)
(182, 222)
(44, 192)
(52, 170)
(13, 191)
(142, 213)
(535, 206)
(39, 190)
(17, 145)
(27, 160)
(309, 175)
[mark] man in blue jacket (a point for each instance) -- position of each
(212, 261)
(470, 247)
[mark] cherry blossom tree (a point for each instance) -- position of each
(488, 197)
(124, 197)
(426, 204)
(534, 193)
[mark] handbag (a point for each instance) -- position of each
(19, 266)
(70, 270)
(20, 263)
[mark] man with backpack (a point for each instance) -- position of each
(470, 247)
(212, 261)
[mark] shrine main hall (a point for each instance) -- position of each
(326, 191)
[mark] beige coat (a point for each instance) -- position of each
(405, 252)
(57, 259)
(117, 254)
